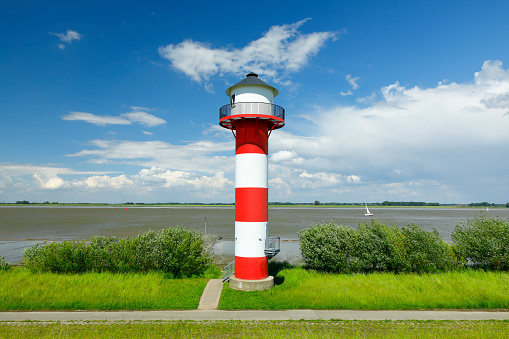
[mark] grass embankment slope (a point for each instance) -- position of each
(23, 290)
(295, 288)
(302, 289)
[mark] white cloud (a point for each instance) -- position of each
(100, 120)
(51, 183)
(282, 49)
(286, 157)
(15, 176)
(105, 181)
(452, 136)
(156, 181)
(195, 156)
(136, 116)
(144, 118)
(352, 81)
(67, 37)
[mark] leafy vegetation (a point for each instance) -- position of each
(484, 242)
(175, 251)
(260, 329)
(298, 288)
(4, 265)
(375, 247)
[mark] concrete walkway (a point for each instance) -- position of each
(211, 294)
(251, 315)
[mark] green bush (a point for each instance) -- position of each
(375, 247)
(427, 252)
(176, 251)
(484, 242)
(63, 257)
(4, 265)
(327, 247)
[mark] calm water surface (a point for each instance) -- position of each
(21, 227)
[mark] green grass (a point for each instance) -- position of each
(260, 329)
(22, 290)
(297, 288)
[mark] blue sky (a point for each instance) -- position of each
(118, 101)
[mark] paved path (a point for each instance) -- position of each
(251, 315)
(211, 294)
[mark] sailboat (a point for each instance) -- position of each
(367, 212)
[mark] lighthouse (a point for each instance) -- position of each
(252, 116)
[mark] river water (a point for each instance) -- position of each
(21, 227)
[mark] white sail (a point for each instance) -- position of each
(367, 213)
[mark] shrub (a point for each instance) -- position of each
(64, 257)
(426, 251)
(176, 251)
(4, 265)
(379, 248)
(375, 247)
(484, 242)
(327, 247)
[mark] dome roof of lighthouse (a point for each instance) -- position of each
(250, 80)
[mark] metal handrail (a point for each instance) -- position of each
(252, 108)
(228, 271)
(272, 246)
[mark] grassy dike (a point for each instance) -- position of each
(21, 290)
(295, 288)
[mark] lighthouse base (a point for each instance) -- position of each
(251, 285)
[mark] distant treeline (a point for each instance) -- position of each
(421, 203)
(276, 203)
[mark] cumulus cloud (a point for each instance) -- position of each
(51, 183)
(14, 176)
(154, 180)
(67, 37)
(104, 181)
(157, 176)
(451, 135)
(286, 157)
(136, 116)
(282, 49)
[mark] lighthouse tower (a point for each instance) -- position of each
(252, 116)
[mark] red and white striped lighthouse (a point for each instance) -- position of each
(252, 116)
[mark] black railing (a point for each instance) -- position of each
(252, 108)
